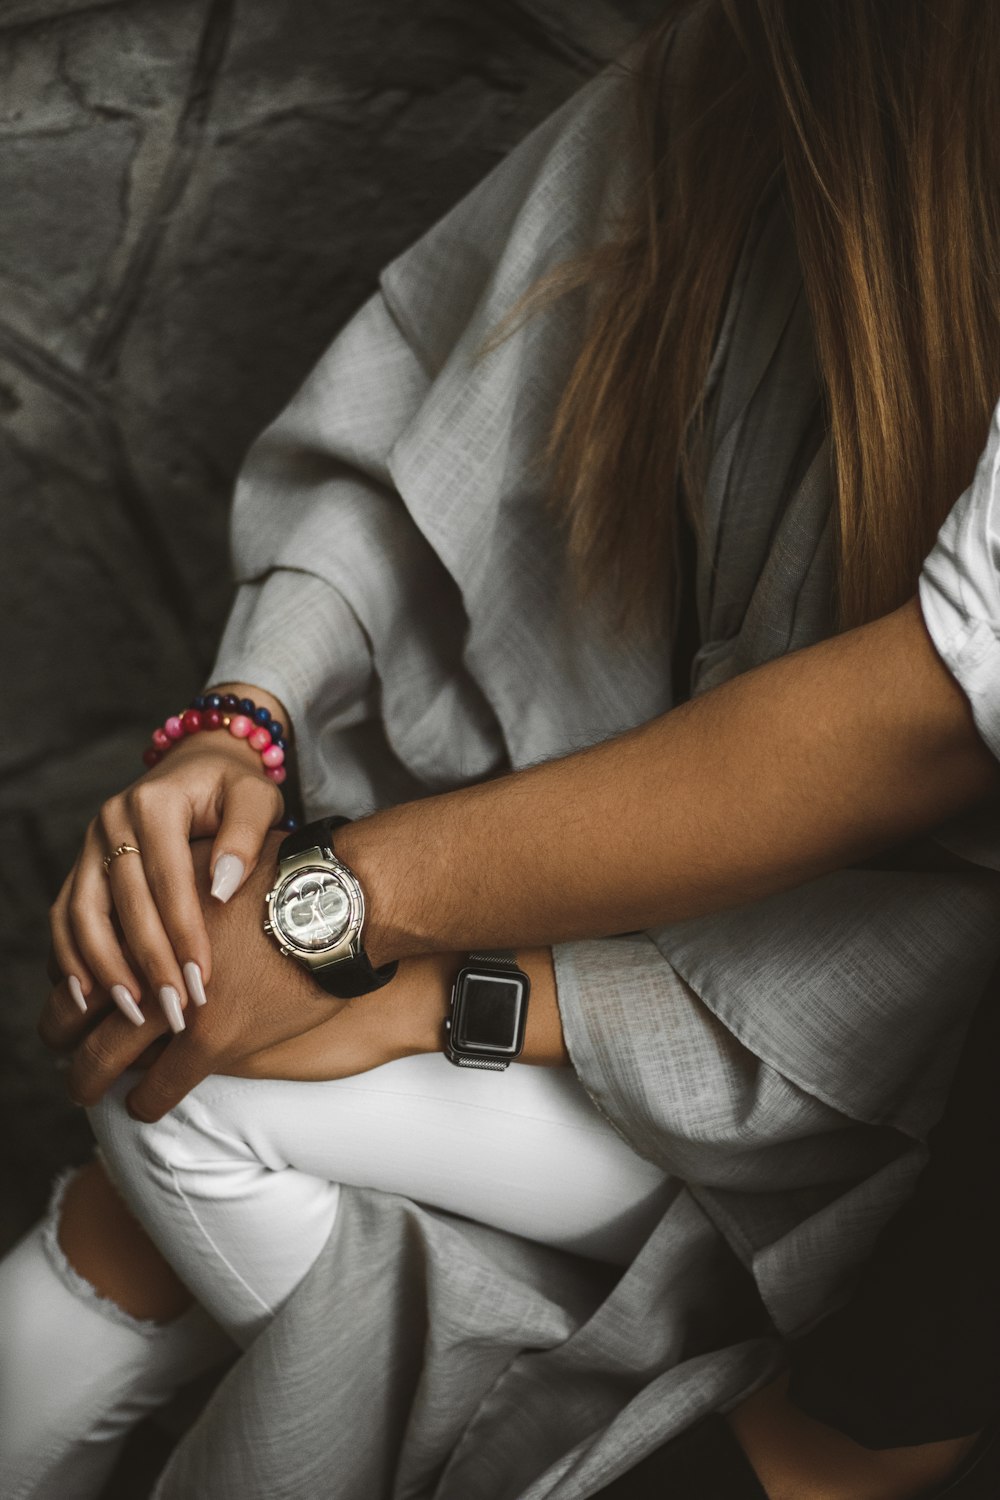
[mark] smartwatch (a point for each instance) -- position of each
(316, 911)
(489, 1009)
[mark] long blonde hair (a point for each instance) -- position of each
(883, 119)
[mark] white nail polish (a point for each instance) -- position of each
(76, 991)
(229, 871)
(195, 983)
(171, 1002)
(126, 1004)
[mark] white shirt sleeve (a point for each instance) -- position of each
(960, 591)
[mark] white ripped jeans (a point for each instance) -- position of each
(239, 1187)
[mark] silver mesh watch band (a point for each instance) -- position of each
(500, 958)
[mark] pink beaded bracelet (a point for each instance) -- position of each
(242, 726)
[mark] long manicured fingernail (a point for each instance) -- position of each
(126, 1004)
(229, 871)
(195, 983)
(76, 990)
(171, 1002)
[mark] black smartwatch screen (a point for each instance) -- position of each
(489, 1011)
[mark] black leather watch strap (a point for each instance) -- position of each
(318, 834)
(347, 978)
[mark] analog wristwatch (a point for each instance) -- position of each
(316, 913)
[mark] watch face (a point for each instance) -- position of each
(312, 910)
(489, 1013)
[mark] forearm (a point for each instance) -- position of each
(812, 762)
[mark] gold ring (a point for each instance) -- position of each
(122, 849)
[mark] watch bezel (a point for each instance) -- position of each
(325, 862)
(485, 1051)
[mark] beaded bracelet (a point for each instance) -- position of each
(243, 719)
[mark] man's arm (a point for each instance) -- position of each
(807, 764)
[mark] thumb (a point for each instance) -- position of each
(249, 811)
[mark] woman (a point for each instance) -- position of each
(780, 294)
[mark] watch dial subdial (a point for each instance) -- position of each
(312, 910)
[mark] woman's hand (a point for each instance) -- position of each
(269, 1019)
(139, 927)
(258, 1000)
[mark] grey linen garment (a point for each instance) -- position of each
(403, 592)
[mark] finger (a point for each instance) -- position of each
(65, 958)
(106, 1051)
(180, 1068)
(61, 1024)
(145, 937)
(77, 967)
(89, 912)
(152, 1052)
(163, 831)
(251, 808)
(53, 968)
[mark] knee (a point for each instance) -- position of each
(138, 1158)
(195, 1148)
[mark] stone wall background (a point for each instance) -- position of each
(194, 196)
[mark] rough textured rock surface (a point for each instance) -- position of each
(195, 196)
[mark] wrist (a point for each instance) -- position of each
(419, 999)
(225, 745)
(372, 859)
(227, 717)
(223, 748)
(544, 1042)
(422, 997)
(405, 1017)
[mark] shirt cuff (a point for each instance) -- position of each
(959, 592)
(297, 638)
